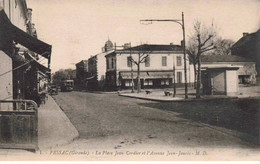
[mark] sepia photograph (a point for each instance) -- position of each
(129, 80)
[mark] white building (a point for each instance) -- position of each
(18, 45)
(156, 71)
(17, 12)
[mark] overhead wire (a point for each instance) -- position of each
(23, 65)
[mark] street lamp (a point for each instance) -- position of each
(180, 22)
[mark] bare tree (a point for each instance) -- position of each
(142, 55)
(202, 40)
(192, 55)
(223, 46)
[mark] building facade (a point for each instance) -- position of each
(97, 68)
(16, 12)
(246, 74)
(249, 47)
(23, 75)
(222, 74)
(81, 74)
(156, 66)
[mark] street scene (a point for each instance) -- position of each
(138, 122)
(127, 80)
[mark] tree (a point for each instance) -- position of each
(201, 41)
(142, 56)
(62, 74)
(192, 55)
(223, 46)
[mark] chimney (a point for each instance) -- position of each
(126, 45)
(182, 43)
(245, 34)
(34, 33)
(171, 44)
(29, 14)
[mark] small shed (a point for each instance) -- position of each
(220, 80)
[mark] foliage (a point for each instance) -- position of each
(63, 74)
(223, 46)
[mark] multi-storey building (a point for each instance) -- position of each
(21, 74)
(81, 74)
(97, 68)
(156, 69)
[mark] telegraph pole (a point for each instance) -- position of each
(180, 22)
(184, 51)
(132, 74)
(174, 83)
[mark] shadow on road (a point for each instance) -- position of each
(235, 114)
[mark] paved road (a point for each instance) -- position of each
(111, 122)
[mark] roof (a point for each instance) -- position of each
(156, 47)
(82, 61)
(253, 38)
(224, 58)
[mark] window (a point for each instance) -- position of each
(129, 61)
(178, 60)
(179, 77)
(112, 63)
(147, 61)
(128, 83)
(148, 82)
(164, 61)
(107, 63)
(165, 82)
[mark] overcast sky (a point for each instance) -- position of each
(77, 29)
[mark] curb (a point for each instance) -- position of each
(182, 100)
(75, 133)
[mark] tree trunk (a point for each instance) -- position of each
(174, 82)
(195, 75)
(138, 79)
(198, 79)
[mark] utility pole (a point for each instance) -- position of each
(180, 22)
(132, 74)
(184, 51)
(174, 82)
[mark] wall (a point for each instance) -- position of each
(218, 82)
(231, 82)
(245, 68)
(17, 14)
(6, 81)
(101, 69)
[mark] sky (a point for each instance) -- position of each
(78, 29)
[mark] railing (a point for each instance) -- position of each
(18, 105)
(18, 124)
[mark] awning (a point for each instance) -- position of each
(8, 32)
(147, 75)
(41, 67)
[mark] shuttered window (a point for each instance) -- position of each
(164, 60)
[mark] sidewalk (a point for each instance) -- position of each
(158, 94)
(55, 128)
